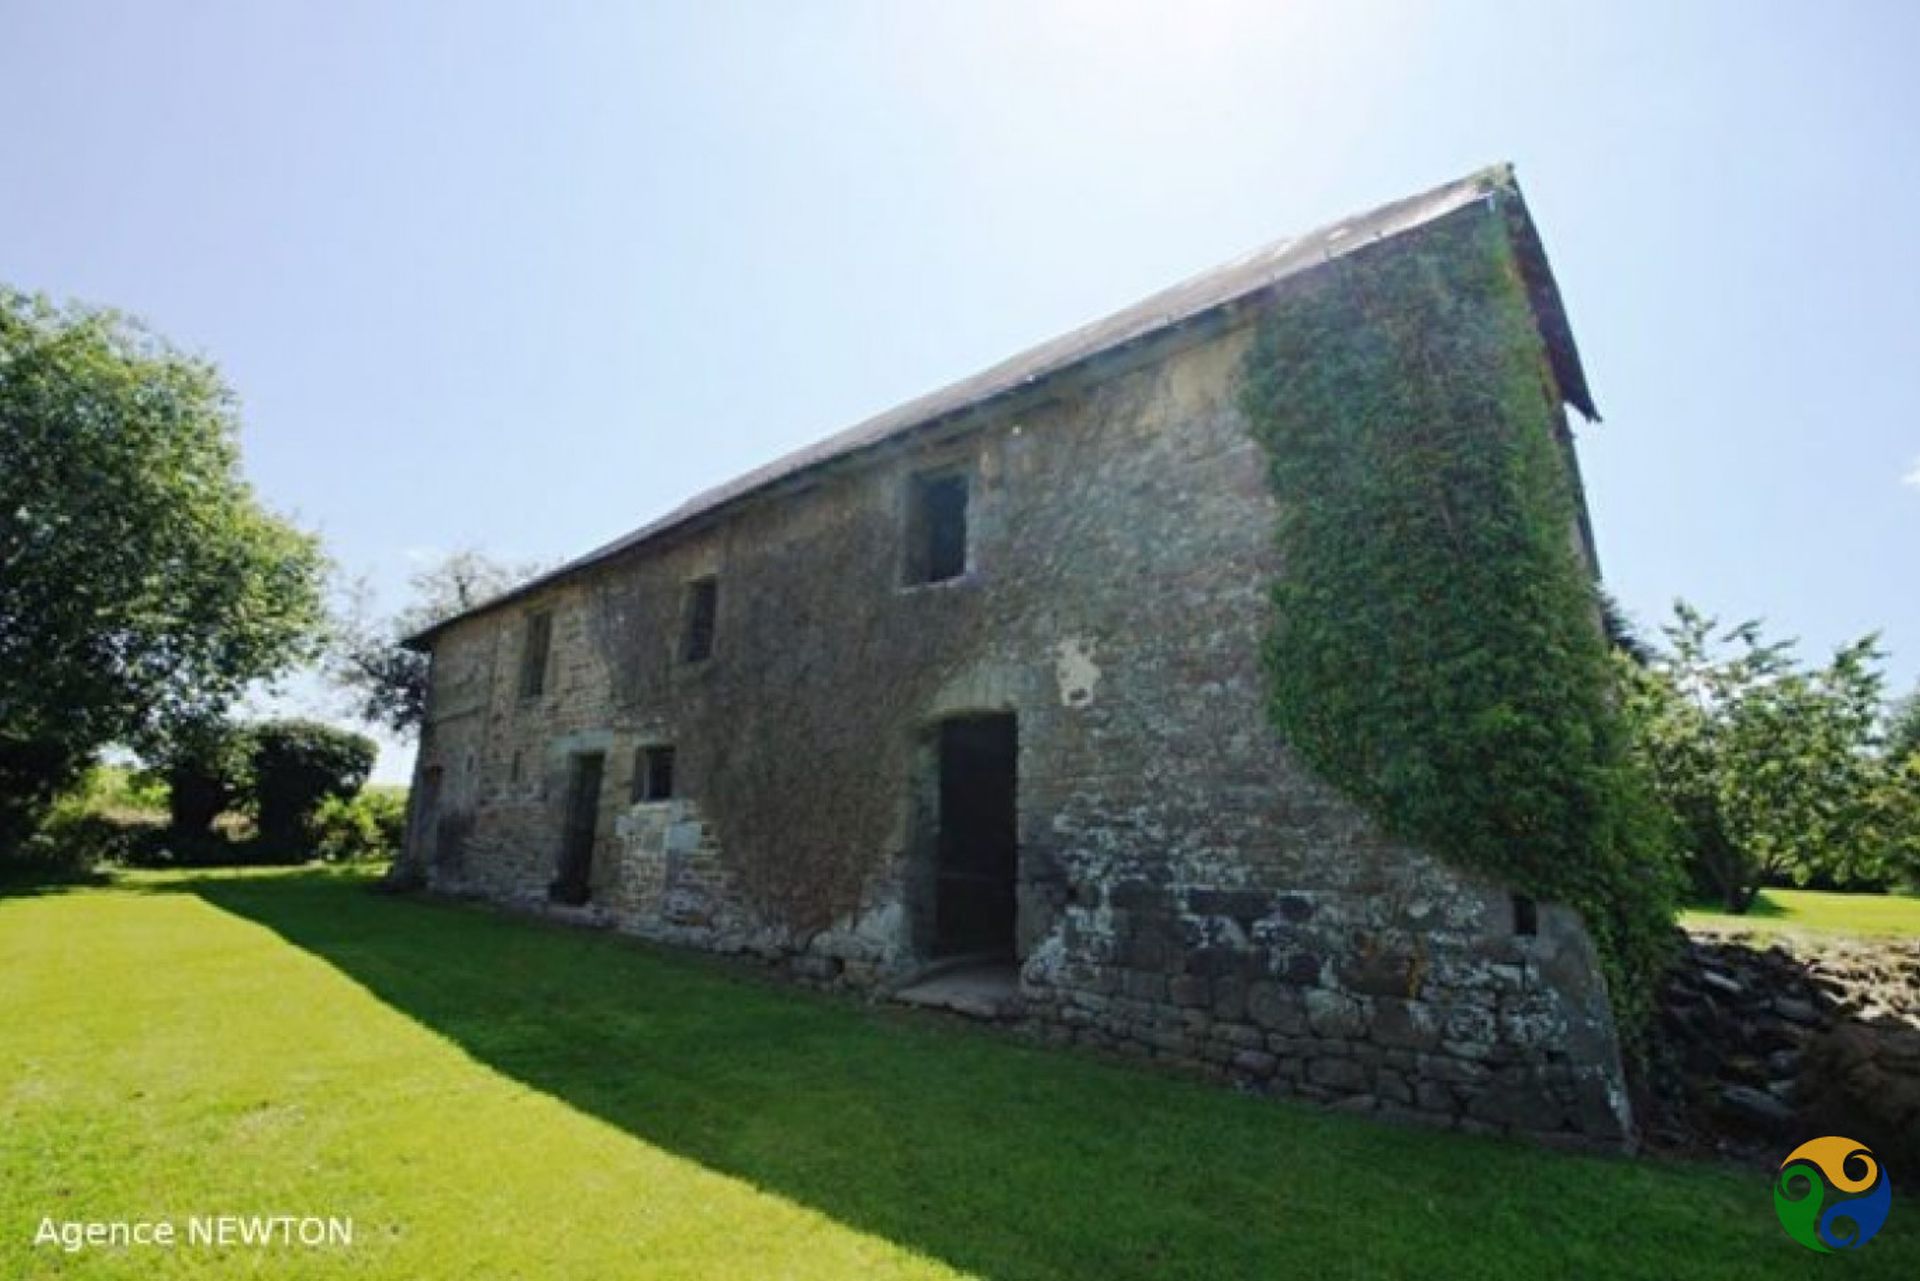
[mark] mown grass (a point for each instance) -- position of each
(489, 1098)
(1817, 912)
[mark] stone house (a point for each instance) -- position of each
(966, 704)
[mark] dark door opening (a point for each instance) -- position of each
(426, 819)
(575, 880)
(976, 852)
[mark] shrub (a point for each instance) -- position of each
(207, 770)
(114, 790)
(168, 848)
(128, 791)
(296, 766)
(65, 850)
(368, 826)
(88, 827)
(33, 774)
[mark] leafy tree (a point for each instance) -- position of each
(1895, 825)
(1903, 728)
(142, 584)
(388, 681)
(298, 765)
(208, 767)
(1769, 769)
(1893, 830)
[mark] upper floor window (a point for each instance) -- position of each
(937, 527)
(703, 609)
(653, 774)
(534, 649)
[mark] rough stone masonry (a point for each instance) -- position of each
(980, 680)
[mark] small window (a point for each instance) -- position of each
(653, 774)
(1526, 916)
(937, 527)
(533, 654)
(703, 607)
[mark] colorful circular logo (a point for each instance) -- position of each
(1831, 1194)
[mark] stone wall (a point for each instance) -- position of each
(1186, 890)
(1764, 1042)
(1413, 999)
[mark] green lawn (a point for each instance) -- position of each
(492, 1099)
(1812, 911)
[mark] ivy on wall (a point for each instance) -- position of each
(1436, 652)
(820, 666)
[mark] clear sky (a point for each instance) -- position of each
(524, 275)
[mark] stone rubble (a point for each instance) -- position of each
(1761, 1044)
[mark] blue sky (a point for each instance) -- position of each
(523, 275)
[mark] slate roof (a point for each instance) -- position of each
(1187, 301)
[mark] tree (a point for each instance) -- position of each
(1895, 826)
(1768, 768)
(297, 765)
(207, 766)
(388, 681)
(1903, 727)
(142, 584)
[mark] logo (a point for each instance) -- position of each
(1832, 1195)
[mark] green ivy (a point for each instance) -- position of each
(1436, 652)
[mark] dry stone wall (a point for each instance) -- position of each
(1764, 1042)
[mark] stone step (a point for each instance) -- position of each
(985, 990)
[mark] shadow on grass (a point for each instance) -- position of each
(1003, 1160)
(1762, 908)
(30, 880)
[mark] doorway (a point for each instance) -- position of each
(425, 837)
(577, 836)
(976, 851)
